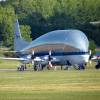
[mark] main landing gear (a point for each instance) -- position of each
(82, 66)
(38, 67)
(22, 68)
(98, 65)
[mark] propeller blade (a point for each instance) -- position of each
(50, 64)
(32, 56)
(50, 53)
(49, 56)
(33, 52)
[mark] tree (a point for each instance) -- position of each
(92, 47)
(26, 32)
(46, 15)
(7, 17)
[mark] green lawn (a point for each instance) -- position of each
(49, 85)
(7, 64)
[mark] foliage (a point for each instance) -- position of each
(6, 24)
(92, 47)
(25, 32)
(42, 16)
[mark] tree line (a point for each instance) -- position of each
(36, 17)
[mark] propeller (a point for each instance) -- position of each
(50, 58)
(90, 56)
(33, 57)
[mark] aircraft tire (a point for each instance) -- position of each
(97, 66)
(82, 67)
(35, 68)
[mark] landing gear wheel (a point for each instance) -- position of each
(35, 68)
(81, 67)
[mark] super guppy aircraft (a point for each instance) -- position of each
(64, 46)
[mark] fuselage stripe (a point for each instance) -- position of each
(60, 53)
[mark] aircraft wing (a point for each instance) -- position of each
(18, 59)
(21, 59)
(95, 58)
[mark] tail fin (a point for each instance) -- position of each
(19, 43)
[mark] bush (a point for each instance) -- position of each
(92, 47)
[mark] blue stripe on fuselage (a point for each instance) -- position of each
(60, 53)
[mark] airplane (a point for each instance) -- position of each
(65, 47)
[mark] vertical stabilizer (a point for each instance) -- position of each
(19, 43)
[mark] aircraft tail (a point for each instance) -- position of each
(19, 42)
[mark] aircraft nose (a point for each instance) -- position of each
(86, 58)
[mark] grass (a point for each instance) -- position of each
(49, 85)
(7, 64)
